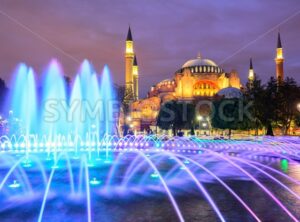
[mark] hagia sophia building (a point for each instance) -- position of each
(197, 79)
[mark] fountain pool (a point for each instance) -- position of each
(59, 162)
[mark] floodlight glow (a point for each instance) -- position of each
(95, 182)
(14, 185)
(154, 175)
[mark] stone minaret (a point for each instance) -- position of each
(279, 60)
(129, 56)
(135, 72)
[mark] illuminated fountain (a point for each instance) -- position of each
(75, 167)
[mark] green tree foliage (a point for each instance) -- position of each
(273, 104)
(263, 106)
(288, 96)
(270, 102)
(176, 116)
(297, 120)
(254, 96)
(231, 114)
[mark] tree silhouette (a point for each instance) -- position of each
(3, 93)
(231, 114)
(176, 116)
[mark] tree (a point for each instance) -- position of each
(297, 120)
(176, 116)
(274, 104)
(123, 107)
(254, 96)
(288, 96)
(3, 93)
(270, 102)
(68, 82)
(230, 114)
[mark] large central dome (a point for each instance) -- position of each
(199, 62)
(200, 65)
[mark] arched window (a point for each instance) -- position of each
(205, 88)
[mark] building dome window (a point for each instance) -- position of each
(200, 65)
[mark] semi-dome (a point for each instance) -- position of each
(200, 65)
(230, 93)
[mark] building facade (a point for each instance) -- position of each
(198, 79)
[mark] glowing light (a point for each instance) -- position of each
(154, 175)
(107, 161)
(14, 185)
(186, 162)
(95, 182)
(199, 118)
(27, 164)
(284, 165)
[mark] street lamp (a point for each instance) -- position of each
(298, 107)
(200, 118)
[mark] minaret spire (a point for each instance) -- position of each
(279, 41)
(251, 75)
(129, 56)
(129, 35)
(279, 60)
